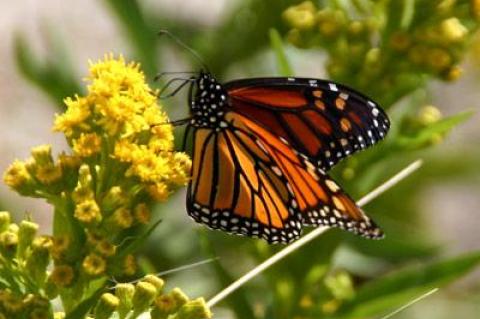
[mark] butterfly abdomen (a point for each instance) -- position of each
(208, 104)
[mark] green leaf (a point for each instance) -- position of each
(283, 65)
(85, 306)
(53, 75)
(438, 128)
(392, 291)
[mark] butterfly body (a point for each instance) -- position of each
(261, 149)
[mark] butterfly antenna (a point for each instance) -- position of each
(184, 46)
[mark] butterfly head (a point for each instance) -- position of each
(208, 102)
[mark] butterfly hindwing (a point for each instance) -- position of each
(324, 121)
(319, 199)
(237, 187)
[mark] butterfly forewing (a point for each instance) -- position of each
(322, 120)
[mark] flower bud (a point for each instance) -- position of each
(129, 265)
(142, 213)
(107, 304)
(163, 306)
(4, 221)
(39, 258)
(82, 193)
(94, 265)
(26, 234)
(453, 73)
(156, 281)
(429, 114)
(142, 298)
(124, 292)
(179, 296)
(453, 30)
(84, 176)
(122, 217)
(42, 155)
(59, 315)
(340, 285)
(88, 212)
(17, 177)
(115, 197)
(48, 174)
(194, 309)
(8, 243)
(301, 17)
(105, 248)
(62, 275)
(60, 246)
(330, 22)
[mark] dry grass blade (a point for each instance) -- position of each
(425, 295)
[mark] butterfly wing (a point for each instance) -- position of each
(236, 187)
(322, 120)
(245, 180)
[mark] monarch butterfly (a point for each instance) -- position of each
(261, 149)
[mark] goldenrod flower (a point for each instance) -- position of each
(129, 265)
(82, 193)
(105, 248)
(42, 154)
(60, 245)
(78, 111)
(87, 211)
(94, 238)
(122, 217)
(94, 265)
(87, 145)
(158, 191)
(48, 174)
(16, 175)
(69, 161)
(163, 306)
(142, 213)
(62, 275)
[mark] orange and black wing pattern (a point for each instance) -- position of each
(322, 120)
(248, 181)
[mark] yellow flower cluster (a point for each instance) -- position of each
(122, 160)
(432, 45)
(148, 295)
(122, 111)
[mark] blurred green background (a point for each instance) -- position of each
(419, 59)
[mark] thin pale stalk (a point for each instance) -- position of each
(425, 295)
(310, 236)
